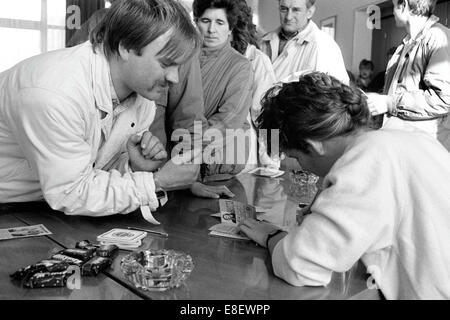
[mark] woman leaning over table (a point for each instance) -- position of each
(384, 200)
(227, 80)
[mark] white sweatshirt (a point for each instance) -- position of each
(385, 201)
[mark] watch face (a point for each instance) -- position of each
(160, 194)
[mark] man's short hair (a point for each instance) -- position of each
(136, 23)
(309, 3)
(421, 7)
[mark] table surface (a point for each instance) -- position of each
(18, 253)
(224, 268)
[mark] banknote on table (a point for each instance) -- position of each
(24, 232)
(233, 212)
(228, 231)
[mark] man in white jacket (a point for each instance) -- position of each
(299, 46)
(74, 122)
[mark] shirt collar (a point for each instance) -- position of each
(306, 35)
(118, 106)
(115, 100)
(101, 80)
(105, 94)
(430, 23)
(214, 52)
(282, 35)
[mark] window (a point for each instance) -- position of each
(30, 27)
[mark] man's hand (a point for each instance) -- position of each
(258, 231)
(180, 172)
(146, 153)
(176, 176)
(379, 104)
(152, 148)
(202, 190)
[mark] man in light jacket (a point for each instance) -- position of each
(74, 122)
(298, 45)
(417, 90)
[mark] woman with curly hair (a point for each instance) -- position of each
(384, 196)
(245, 41)
(227, 80)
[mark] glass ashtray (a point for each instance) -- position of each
(156, 270)
(303, 177)
(303, 186)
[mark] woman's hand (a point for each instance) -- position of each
(204, 191)
(258, 231)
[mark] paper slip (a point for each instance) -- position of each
(24, 232)
(228, 231)
(147, 214)
(233, 212)
(258, 210)
(267, 172)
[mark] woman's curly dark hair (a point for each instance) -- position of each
(317, 107)
(230, 6)
(239, 16)
(244, 33)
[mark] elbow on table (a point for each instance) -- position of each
(298, 280)
(72, 207)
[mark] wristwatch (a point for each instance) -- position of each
(271, 235)
(162, 197)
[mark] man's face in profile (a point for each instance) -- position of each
(149, 73)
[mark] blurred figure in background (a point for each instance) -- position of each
(377, 83)
(366, 68)
(417, 88)
(245, 41)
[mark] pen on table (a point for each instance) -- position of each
(161, 233)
